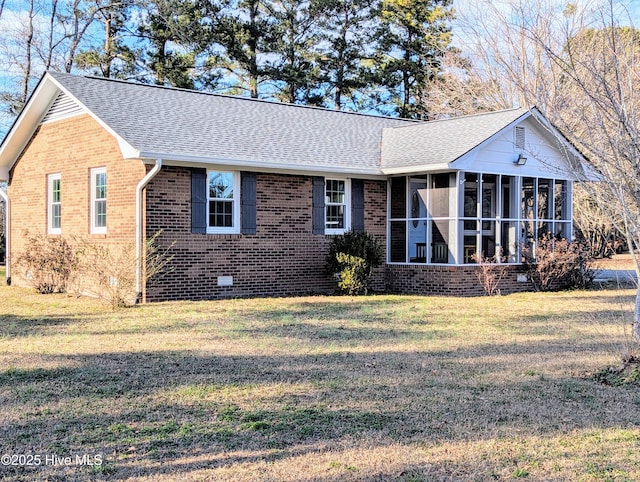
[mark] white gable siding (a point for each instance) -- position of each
(63, 107)
(498, 156)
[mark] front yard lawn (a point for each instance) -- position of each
(311, 389)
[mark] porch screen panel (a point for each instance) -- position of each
(560, 201)
(398, 242)
(398, 197)
(440, 241)
(544, 199)
(509, 241)
(470, 207)
(439, 196)
(528, 198)
(562, 230)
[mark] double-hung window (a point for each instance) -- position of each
(54, 204)
(337, 203)
(98, 200)
(223, 202)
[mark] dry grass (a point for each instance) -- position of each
(313, 389)
(622, 261)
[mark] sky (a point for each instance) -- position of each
(627, 11)
(15, 10)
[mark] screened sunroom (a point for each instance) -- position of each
(454, 217)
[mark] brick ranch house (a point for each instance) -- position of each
(251, 192)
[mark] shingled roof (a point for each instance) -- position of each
(442, 142)
(181, 125)
(187, 125)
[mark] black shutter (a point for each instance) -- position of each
(357, 203)
(248, 210)
(318, 205)
(198, 201)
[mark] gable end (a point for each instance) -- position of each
(63, 107)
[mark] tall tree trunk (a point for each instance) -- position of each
(108, 46)
(78, 33)
(636, 318)
(52, 24)
(27, 64)
(252, 44)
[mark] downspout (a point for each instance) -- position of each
(139, 225)
(7, 234)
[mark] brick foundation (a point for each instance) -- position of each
(448, 280)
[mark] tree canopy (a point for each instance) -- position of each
(374, 55)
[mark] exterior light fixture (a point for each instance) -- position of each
(521, 161)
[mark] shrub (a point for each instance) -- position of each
(558, 262)
(48, 262)
(490, 273)
(353, 275)
(352, 258)
(112, 269)
(53, 264)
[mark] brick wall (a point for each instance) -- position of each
(448, 280)
(282, 258)
(71, 147)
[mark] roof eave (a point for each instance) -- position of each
(392, 171)
(264, 166)
(29, 119)
(26, 124)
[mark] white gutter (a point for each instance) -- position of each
(7, 234)
(139, 232)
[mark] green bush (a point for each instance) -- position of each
(351, 260)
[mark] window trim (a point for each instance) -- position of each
(94, 229)
(235, 228)
(51, 178)
(346, 204)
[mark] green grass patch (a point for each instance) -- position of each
(321, 388)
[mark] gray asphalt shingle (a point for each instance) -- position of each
(443, 141)
(208, 127)
(187, 123)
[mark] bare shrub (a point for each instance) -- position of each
(490, 273)
(47, 262)
(111, 269)
(558, 262)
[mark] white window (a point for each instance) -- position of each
(99, 200)
(54, 204)
(337, 202)
(223, 202)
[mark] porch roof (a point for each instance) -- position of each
(437, 144)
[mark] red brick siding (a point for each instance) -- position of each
(282, 258)
(72, 147)
(448, 280)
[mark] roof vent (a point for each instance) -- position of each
(519, 137)
(64, 106)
